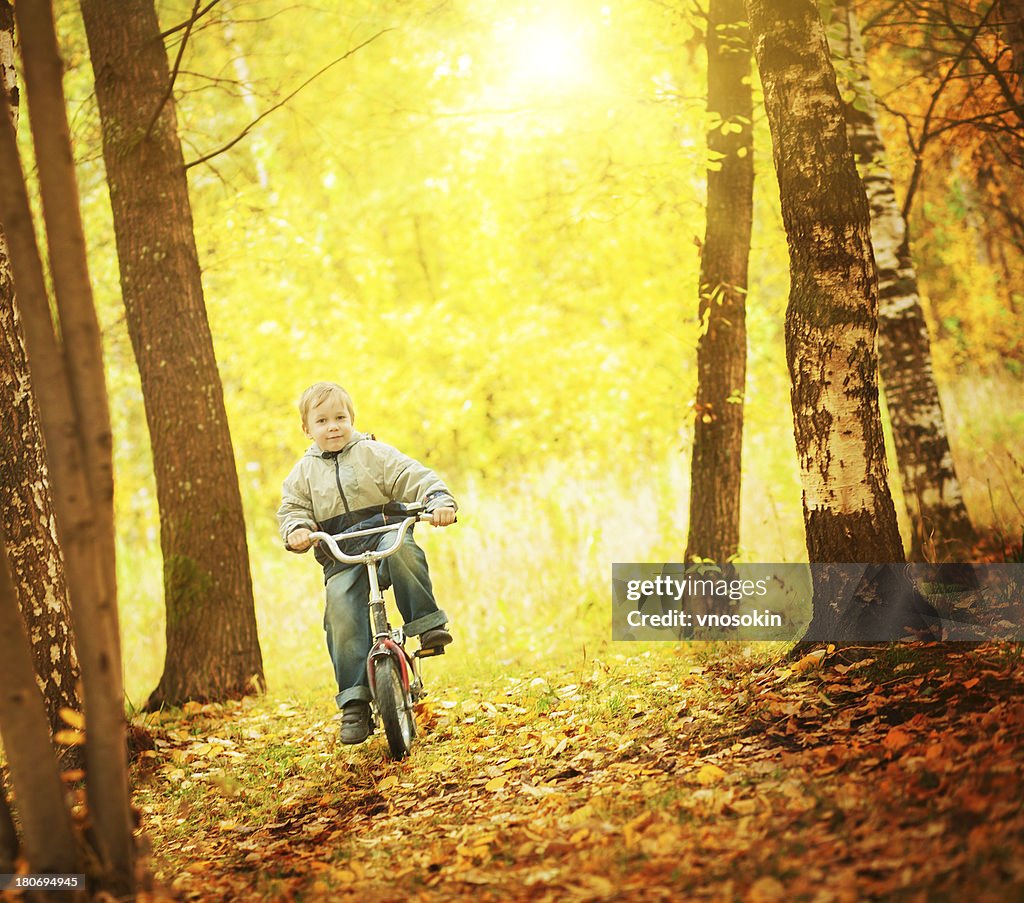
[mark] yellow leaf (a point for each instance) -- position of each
(388, 782)
(710, 774)
(811, 660)
(766, 890)
(70, 738)
(73, 718)
(496, 783)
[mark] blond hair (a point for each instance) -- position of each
(320, 392)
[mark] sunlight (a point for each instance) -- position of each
(549, 53)
(546, 56)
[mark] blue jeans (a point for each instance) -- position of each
(347, 616)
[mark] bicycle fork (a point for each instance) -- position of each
(389, 643)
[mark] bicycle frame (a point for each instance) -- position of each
(387, 642)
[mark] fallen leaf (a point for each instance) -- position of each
(766, 890)
(811, 660)
(896, 739)
(710, 774)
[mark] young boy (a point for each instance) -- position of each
(345, 478)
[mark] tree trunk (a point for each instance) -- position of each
(9, 845)
(1011, 12)
(722, 351)
(80, 525)
(212, 647)
(941, 527)
(26, 506)
(45, 820)
(831, 318)
(80, 332)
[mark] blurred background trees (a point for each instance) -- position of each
(485, 221)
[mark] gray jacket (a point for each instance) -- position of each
(334, 491)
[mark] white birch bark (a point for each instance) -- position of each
(931, 489)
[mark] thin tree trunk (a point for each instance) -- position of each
(82, 540)
(26, 506)
(1011, 14)
(80, 331)
(212, 648)
(9, 846)
(45, 820)
(830, 322)
(714, 526)
(941, 526)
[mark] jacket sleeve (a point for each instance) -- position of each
(408, 481)
(296, 505)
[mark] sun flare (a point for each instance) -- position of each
(551, 53)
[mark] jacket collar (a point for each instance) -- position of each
(315, 451)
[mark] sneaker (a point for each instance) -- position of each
(355, 722)
(437, 638)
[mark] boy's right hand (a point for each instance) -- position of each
(300, 540)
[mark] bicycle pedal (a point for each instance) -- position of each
(429, 653)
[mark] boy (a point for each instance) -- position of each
(345, 478)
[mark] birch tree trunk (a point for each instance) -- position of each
(212, 648)
(942, 529)
(714, 525)
(49, 842)
(830, 328)
(73, 425)
(26, 506)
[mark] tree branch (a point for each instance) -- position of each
(174, 73)
(188, 23)
(926, 135)
(282, 102)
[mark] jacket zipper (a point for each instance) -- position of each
(337, 479)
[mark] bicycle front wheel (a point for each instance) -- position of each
(395, 710)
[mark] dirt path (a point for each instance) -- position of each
(650, 779)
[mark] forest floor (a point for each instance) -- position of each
(858, 774)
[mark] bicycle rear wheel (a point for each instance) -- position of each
(395, 712)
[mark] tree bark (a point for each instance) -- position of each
(831, 318)
(9, 845)
(80, 527)
(714, 525)
(45, 820)
(80, 331)
(1011, 12)
(26, 505)
(212, 647)
(942, 529)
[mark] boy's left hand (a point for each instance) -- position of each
(442, 517)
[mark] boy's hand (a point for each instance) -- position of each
(442, 517)
(299, 540)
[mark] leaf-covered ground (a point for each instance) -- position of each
(890, 774)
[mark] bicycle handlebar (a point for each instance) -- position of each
(373, 555)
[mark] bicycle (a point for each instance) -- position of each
(394, 676)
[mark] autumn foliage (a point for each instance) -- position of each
(848, 775)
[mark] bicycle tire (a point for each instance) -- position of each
(395, 714)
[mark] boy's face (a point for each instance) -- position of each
(329, 425)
